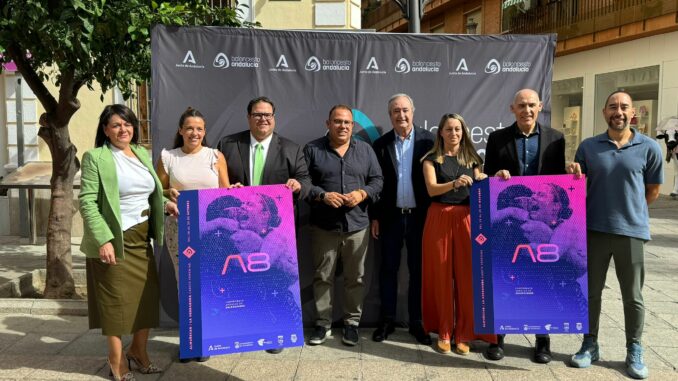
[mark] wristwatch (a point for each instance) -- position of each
(321, 196)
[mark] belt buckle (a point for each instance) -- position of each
(405, 210)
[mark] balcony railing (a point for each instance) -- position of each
(572, 18)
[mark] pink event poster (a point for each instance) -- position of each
(529, 255)
(239, 281)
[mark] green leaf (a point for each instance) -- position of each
(78, 4)
(104, 41)
(87, 24)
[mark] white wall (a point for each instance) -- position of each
(306, 14)
(659, 50)
(30, 121)
(4, 200)
(8, 143)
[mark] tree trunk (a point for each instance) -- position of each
(59, 282)
(54, 131)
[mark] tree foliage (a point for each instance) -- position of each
(98, 40)
(77, 43)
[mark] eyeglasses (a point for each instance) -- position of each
(340, 122)
(262, 115)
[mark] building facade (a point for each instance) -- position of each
(270, 14)
(603, 46)
(302, 14)
(439, 16)
(82, 131)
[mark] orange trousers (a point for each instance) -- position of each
(447, 280)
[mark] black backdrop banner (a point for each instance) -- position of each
(218, 70)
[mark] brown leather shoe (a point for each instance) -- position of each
(462, 349)
(444, 346)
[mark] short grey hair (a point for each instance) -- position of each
(399, 95)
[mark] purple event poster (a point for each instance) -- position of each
(238, 273)
(529, 255)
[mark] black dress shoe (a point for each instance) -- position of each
(422, 337)
(274, 351)
(495, 352)
(381, 333)
(542, 350)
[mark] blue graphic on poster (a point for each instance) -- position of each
(529, 255)
(238, 273)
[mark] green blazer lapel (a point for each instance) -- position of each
(156, 200)
(109, 180)
(142, 154)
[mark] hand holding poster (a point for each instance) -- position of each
(529, 255)
(239, 281)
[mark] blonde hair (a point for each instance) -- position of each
(467, 156)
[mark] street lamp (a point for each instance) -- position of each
(471, 26)
(413, 11)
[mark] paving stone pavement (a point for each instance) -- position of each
(60, 347)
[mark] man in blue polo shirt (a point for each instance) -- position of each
(624, 170)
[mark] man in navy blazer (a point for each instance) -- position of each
(284, 161)
(400, 213)
(502, 151)
(525, 148)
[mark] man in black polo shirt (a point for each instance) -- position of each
(345, 177)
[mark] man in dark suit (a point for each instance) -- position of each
(525, 148)
(508, 149)
(283, 159)
(259, 156)
(400, 214)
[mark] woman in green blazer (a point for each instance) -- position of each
(122, 207)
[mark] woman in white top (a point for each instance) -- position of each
(189, 165)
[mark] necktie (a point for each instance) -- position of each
(258, 164)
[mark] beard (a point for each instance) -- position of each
(612, 125)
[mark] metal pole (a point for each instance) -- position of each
(24, 223)
(414, 22)
(19, 123)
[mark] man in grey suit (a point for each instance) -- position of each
(259, 156)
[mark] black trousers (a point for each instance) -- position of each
(396, 230)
